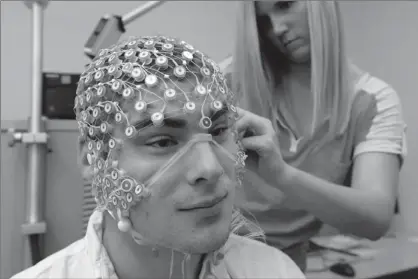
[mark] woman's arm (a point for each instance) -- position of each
(365, 209)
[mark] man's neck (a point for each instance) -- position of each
(132, 261)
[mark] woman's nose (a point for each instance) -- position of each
(279, 25)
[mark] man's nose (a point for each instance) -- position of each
(204, 166)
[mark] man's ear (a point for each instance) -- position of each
(86, 169)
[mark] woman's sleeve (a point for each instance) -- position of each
(381, 127)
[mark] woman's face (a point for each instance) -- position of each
(190, 207)
(289, 29)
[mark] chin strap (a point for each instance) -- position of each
(197, 138)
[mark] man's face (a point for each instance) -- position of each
(149, 102)
(191, 203)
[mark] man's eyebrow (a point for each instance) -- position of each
(168, 122)
(218, 114)
(143, 123)
(177, 123)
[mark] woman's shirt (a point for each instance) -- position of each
(242, 258)
(376, 125)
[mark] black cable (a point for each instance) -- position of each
(35, 248)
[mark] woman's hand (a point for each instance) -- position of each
(257, 134)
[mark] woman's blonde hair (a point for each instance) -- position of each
(331, 84)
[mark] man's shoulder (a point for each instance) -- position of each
(248, 247)
(57, 265)
(258, 260)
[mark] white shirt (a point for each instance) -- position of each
(87, 258)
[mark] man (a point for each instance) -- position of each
(156, 120)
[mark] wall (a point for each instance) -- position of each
(68, 24)
(63, 200)
(382, 38)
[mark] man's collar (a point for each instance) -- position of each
(212, 262)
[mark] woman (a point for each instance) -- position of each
(333, 125)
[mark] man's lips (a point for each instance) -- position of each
(207, 203)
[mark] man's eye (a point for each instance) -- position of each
(162, 143)
(219, 131)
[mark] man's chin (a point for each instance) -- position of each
(208, 243)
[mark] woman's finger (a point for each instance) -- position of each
(252, 122)
(242, 113)
(256, 144)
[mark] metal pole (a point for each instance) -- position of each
(148, 6)
(224, 64)
(36, 150)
